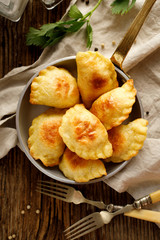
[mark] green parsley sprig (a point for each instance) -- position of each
(51, 33)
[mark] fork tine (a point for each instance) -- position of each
(52, 191)
(51, 195)
(52, 187)
(56, 190)
(84, 226)
(82, 231)
(71, 237)
(83, 222)
(63, 186)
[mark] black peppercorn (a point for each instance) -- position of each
(87, 2)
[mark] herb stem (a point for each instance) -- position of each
(51, 33)
(91, 12)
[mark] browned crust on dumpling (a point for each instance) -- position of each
(49, 133)
(84, 134)
(85, 130)
(54, 87)
(117, 139)
(113, 107)
(96, 75)
(79, 169)
(44, 141)
(127, 140)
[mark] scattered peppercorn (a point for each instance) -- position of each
(22, 212)
(147, 113)
(28, 207)
(87, 2)
(37, 211)
(102, 45)
(96, 49)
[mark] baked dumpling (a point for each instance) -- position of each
(84, 134)
(44, 141)
(96, 75)
(127, 140)
(54, 87)
(79, 169)
(113, 107)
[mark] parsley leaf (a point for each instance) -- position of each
(74, 12)
(76, 26)
(35, 38)
(122, 6)
(51, 33)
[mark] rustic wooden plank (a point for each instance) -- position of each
(18, 176)
(18, 191)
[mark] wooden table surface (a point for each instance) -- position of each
(18, 176)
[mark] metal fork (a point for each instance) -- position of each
(67, 194)
(91, 223)
(98, 219)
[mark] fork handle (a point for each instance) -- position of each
(146, 200)
(97, 204)
(126, 43)
(143, 214)
(155, 196)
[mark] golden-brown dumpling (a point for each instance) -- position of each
(54, 87)
(113, 107)
(127, 140)
(79, 169)
(44, 141)
(96, 75)
(84, 134)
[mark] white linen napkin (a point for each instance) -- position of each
(142, 175)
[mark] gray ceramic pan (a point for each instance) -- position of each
(26, 111)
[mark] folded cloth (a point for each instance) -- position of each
(142, 175)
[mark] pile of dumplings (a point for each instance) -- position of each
(83, 128)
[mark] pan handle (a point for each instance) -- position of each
(126, 43)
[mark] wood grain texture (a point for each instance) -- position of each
(18, 176)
